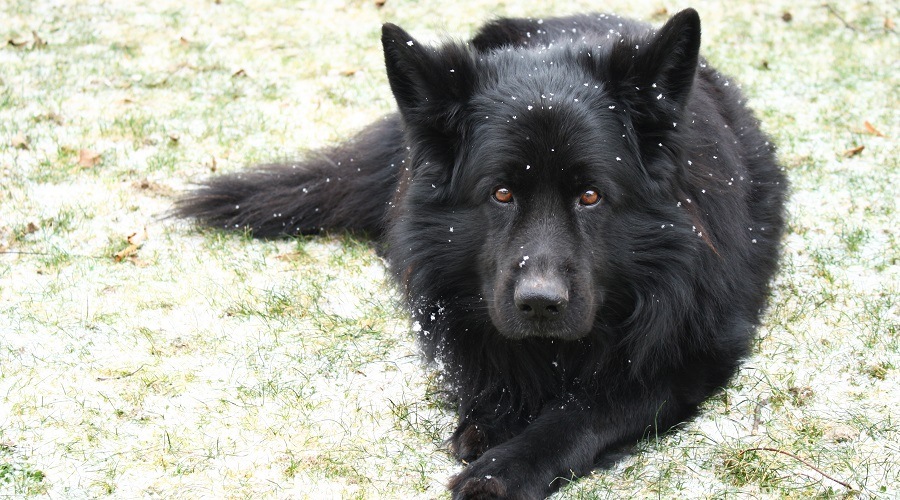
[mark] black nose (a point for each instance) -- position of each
(541, 298)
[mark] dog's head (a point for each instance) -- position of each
(537, 174)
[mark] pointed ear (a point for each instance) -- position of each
(431, 85)
(656, 73)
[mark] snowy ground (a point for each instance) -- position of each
(200, 364)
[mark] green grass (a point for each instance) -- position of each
(213, 365)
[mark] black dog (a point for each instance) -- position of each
(582, 215)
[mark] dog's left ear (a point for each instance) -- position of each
(431, 85)
(656, 73)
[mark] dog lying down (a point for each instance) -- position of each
(583, 218)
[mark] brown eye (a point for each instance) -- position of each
(503, 195)
(589, 197)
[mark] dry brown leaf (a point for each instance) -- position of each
(154, 188)
(291, 256)
(53, 117)
(888, 24)
(138, 237)
(349, 72)
(238, 73)
(17, 42)
(20, 141)
(88, 158)
(37, 42)
(380, 3)
(135, 240)
(871, 129)
(853, 151)
(127, 252)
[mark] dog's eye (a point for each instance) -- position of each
(503, 195)
(589, 197)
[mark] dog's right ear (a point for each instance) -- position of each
(431, 85)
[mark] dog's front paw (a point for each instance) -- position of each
(469, 442)
(496, 475)
(465, 486)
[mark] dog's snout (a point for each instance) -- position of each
(539, 298)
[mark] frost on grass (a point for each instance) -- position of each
(209, 365)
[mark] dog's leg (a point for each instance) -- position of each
(563, 443)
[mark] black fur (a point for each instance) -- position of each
(568, 325)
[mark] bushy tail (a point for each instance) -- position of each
(346, 187)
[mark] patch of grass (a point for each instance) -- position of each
(274, 305)
(135, 126)
(853, 238)
(751, 467)
(18, 477)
